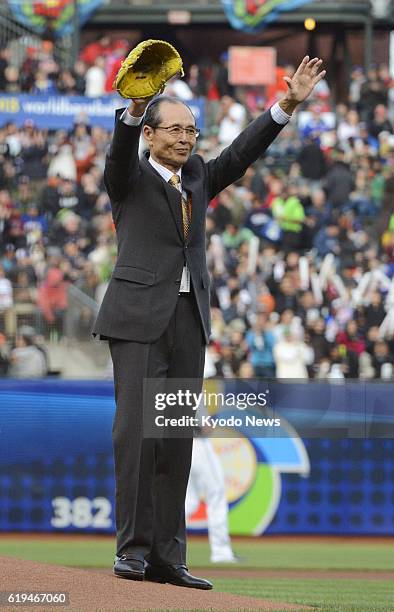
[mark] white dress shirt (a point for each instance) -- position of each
(164, 172)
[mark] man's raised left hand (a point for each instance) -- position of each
(302, 83)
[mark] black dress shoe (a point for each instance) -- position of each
(128, 567)
(175, 574)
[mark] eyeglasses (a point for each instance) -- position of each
(177, 130)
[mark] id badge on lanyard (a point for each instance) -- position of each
(185, 280)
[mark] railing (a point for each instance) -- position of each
(22, 37)
(64, 336)
(16, 316)
(72, 322)
(10, 30)
(80, 314)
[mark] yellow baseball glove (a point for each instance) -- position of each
(147, 68)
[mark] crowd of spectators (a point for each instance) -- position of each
(300, 250)
(39, 71)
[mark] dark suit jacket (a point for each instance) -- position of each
(143, 290)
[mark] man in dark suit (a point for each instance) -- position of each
(155, 313)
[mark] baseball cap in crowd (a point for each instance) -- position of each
(64, 216)
(32, 205)
(237, 325)
(21, 253)
(266, 303)
(26, 330)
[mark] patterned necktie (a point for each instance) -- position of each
(175, 181)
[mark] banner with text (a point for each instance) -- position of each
(62, 112)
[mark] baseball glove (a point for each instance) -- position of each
(147, 68)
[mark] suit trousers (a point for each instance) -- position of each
(151, 474)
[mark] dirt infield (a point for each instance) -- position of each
(100, 591)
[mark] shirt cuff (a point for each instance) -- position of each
(130, 120)
(279, 115)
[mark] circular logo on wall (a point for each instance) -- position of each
(252, 468)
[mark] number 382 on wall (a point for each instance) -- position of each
(81, 512)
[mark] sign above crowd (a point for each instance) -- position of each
(255, 15)
(62, 112)
(252, 65)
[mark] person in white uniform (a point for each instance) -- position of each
(206, 481)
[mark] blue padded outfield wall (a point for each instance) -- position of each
(56, 470)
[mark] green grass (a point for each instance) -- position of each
(325, 595)
(268, 554)
(76, 553)
(349, 595)
(264, 553)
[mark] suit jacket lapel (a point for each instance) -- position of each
(173, 197)
(174, 201)
(191, 184)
